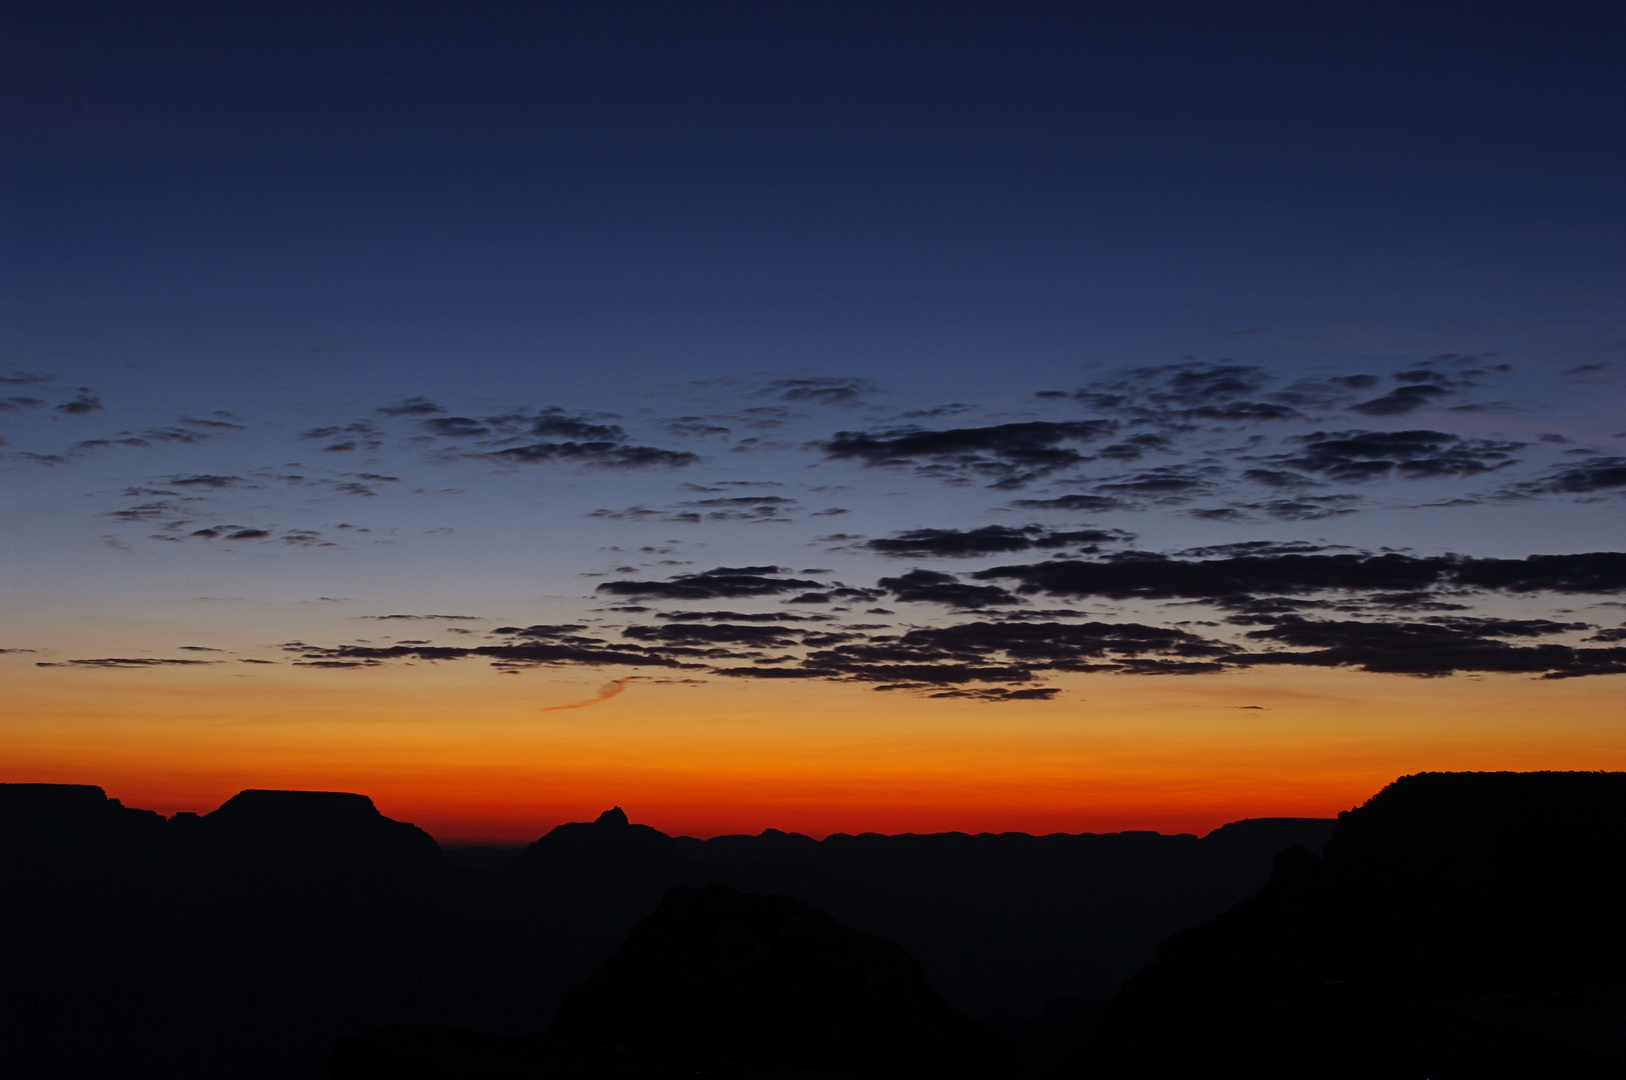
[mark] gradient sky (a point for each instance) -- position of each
(812, 415)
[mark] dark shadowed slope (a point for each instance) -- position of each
(717, 976)
(1458, 925)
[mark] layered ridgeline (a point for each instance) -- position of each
(246, 941)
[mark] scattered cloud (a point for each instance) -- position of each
(1586, 477)
(819, 391)
(1411, 455)
(409, 406)
(724, 582)
(935, 587)
(989, 540)
(1008, 455)
(1146, 575)
(82, 405)
(124, 662)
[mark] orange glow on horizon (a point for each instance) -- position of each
(472, 757)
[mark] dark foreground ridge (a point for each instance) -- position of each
(1458, 925)
(247, 941)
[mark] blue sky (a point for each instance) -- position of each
(428, 310)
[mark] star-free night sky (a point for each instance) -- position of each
(828, 416)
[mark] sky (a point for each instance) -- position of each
(820, 416)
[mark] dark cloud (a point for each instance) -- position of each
(1428, 649)
(989, 540)
(416, 618)
(1580, 478)
(1278, 478)
(1243, 412)
(991, 657)
(13, 404)
(1033, 693)
(411, 406)
(839, 593)
(1426, 384)
(643, 513)
(160, 435)
(1255, 547)
(724, 582)
(1058, 646)
(602, 454)
(305, 538)
(528, 647)
(1401, 400)
(82, 405)
(586, 442)
(764, 417)
(932, 587)
(455, 427)
(1303, 508)
(928, 659)
(25, 378)
(1176, 394)
(1165, 483)
(1133, 449)
(1144, 575)
(736, 616)
(1490, 627)
(125, 662)
(556, 423)
(709, 633)
(820, 391)
(739, 508)
(1322, 394)
(1413, 455)
(937, 412)
(208, 480)
(1008, 454)
(152, 511)
(220, 420)
(1089, 504)
(693, 427)
(363, 434)
(1195, 384)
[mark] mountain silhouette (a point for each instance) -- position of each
(1457, 925)
(245, 942)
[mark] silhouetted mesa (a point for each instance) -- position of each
(718, 977)
(1458, 925)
